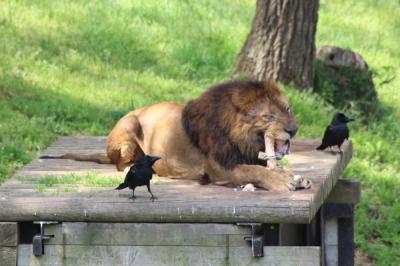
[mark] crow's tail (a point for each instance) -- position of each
(321, 147)
(122, 186)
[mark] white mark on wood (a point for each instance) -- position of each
(192, 210)
(234, 210)
(85, 213)
(179, 213)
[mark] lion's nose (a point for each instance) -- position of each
(291, 130)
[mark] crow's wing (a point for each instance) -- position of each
(130, 176)
(342, 133)
(337, 134)
(328, 138)
(346, 132)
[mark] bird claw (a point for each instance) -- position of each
(133, 197)
(153, 198)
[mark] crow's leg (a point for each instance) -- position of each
(340, 151)
(152, 196)
(133, 193)
(330, 148)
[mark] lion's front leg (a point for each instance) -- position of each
(273, 180)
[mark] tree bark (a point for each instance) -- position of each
(281, 44)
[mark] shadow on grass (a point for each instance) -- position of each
(52, 108)
(33, 116)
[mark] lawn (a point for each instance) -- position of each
(75, 67)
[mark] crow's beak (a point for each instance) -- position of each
(349, 119)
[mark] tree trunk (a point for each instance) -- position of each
(281, 44)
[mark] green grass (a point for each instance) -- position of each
(87, 179)
(75, 67)
(90, 179)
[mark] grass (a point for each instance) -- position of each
(90, 179)
(75, 67)
(87, 179)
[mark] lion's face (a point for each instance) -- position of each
(234, 121)
(271, 118)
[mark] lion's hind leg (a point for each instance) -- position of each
(123, 142)
(129, 152)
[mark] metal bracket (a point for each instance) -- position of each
(38, 239)
(256, 239)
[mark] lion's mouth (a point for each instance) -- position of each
(275, 149)
(281, 148)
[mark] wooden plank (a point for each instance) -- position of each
(180, 200)
(338, 210)
(77, 144)
(166, 255)
(345, 191)
(343, 214)
(322, 234)
(8, 256)
(331, 242)
(346, 241)
(147, 234)
(8, 234)
(330, 181)
(100, 210)
(8, 243)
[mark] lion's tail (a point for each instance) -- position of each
(95, 157)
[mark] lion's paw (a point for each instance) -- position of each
(279, 180)
(299, 182)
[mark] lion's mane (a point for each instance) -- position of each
(212, 120)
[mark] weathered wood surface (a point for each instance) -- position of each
(166, 255)
(8, 234)
(148, 234)
(8, 243)
(345, 191)
(179, 200)
(8, 256)
(331, 242)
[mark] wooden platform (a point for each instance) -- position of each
(179, 201)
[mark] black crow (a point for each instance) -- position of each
(336, 132)
(140, 174)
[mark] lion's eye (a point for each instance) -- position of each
(271, 116)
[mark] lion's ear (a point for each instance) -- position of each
(244, 100)
(272, 90)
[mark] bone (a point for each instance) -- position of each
(297, 178)
(249, 188)
(270, 151)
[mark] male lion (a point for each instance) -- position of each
(217, 136)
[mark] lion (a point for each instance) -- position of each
(216, 137)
